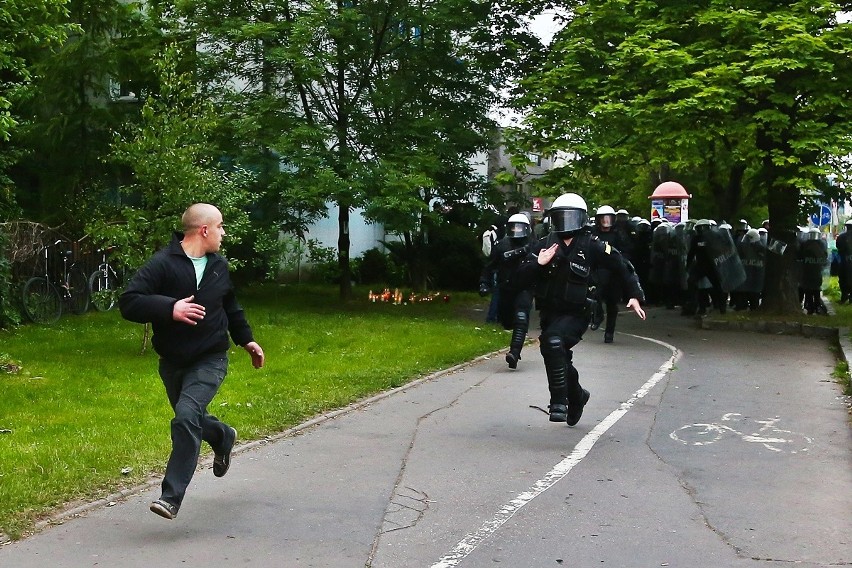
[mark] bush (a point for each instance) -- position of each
(324, 267)
(10, 314)
(371, 267)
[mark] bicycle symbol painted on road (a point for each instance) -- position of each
(768, 434)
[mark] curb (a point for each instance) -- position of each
(773, 327)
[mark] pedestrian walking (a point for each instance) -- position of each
(185, 292)
(560, 266)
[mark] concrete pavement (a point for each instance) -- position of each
(698, 448)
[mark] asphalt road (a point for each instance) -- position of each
(697, 449)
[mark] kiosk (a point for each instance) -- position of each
(670, 201)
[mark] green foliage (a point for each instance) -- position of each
(10, 313)
(739, 105)
(27, 27)
(455, 258)
(72, 108)
(732, 103)
(287, 254)
(174, 165)
(24, 24)
(324, 267)
(372, 267)
(370, 104)
(321, 354)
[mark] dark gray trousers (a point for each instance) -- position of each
(190, 389)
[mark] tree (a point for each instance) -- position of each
(26, 26)
(362, 103)
(85, 90)
(174, 165)
(745, 99)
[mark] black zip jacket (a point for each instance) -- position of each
(169, 276)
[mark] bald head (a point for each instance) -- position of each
(203, 229)
(199, 214)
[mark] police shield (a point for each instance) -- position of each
(659, 254)
(726, 261)
(753, 257)
(813, 257)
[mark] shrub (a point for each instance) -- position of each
(10, 314)
(455, 258)
(323, 263)
(371, 267)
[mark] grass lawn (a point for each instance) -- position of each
(86, 405)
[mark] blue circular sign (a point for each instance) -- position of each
(823, 217)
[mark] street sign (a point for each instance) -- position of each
(823, 217)
(538, 205)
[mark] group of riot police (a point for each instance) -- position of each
(557, 272)
(581, 269)
(700, 266)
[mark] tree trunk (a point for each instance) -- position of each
(343, 157)
(731, 194)
(343, 251)
(781, 291)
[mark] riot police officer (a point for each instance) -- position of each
(514, 301)
(844, 251)
(703, 279)
(753, 257)
(560, 265)
(642, 252)
(813, 258)
(608, 289)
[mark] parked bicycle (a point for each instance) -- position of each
(43, 298)
(104, 284)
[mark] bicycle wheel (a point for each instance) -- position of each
(103, 286)
(42, 303)
(78, 290)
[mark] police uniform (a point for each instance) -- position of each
(609, 292)
(515, 299)
(561, 295)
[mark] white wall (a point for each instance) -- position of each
(363, 235)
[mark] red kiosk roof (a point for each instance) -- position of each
(670, 190)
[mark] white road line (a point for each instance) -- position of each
(469, 543)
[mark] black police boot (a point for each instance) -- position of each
(519, 333)
(609, 332)
(596, 315)
(575, 409)
(512, 360)
(558, 383)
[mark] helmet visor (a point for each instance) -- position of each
(567, 220)
(517, 230)
(605, 221)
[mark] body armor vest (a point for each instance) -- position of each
(565, 285)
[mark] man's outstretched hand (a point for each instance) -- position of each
(634, 305)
